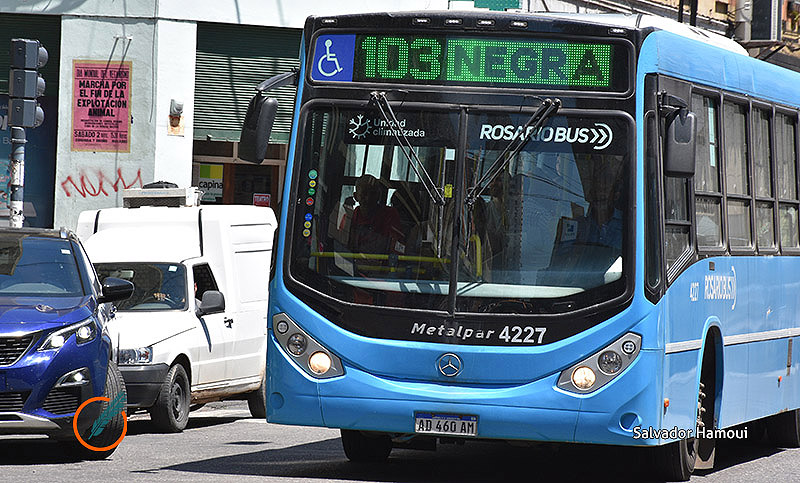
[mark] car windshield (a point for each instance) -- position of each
(550, 226)
(157, 286)
(32, 266)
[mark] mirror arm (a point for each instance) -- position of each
(280, 80)
(670, 106)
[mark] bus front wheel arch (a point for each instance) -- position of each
(678, 460)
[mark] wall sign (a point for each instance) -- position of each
(101, 110)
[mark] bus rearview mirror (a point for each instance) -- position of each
(257, 128)
(680, 144)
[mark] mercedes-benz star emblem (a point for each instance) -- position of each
(449, 365)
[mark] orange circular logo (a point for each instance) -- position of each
(87, 445)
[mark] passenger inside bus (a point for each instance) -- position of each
(375, 227)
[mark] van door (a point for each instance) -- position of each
(211, 355)
(251, 273)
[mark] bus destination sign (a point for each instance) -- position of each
(470, 61)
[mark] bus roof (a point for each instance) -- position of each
(627, 21)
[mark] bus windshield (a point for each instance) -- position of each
(550, 225)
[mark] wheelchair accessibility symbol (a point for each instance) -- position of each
(328, 64)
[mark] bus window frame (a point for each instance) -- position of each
(702, 250)
(757, 104)
(738, 100)
(793, 114)
(624, 42)
(696, 253)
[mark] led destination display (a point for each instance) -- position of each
(470, 61)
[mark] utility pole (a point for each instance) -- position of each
(25, 85)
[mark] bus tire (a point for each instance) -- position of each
(365, 448)
(784, 429)
(676, 460)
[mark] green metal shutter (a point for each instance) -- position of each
(44, 28)
(231, 61)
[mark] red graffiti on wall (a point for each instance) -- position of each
(87, 187)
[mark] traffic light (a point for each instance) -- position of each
(25, 84)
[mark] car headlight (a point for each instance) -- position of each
(85, 331)
(142, 355)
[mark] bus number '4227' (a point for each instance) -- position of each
(522, 335)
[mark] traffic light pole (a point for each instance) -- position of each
(17, 183)
(25, 86)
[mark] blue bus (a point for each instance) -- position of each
(535, 227)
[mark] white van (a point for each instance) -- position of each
(194, 330)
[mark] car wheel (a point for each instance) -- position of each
(257, 400)
(113, 428)
(171, 411)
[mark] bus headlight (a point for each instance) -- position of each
(319, 362)
(583, 377)
(609, 362)
(312, 357)
(297, 344)
(600, 368)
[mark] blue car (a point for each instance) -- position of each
(54, 351)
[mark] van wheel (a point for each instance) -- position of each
(113, 430)
(784, 429)
(362, 448)
(257, 400)
(171, 411)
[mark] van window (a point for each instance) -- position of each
(203, 280)
(157, 286)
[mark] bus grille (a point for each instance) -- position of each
(62, 400)
(12, 348)
(12, 401)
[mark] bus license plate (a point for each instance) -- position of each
(446, 424)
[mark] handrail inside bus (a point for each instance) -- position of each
(379, 256)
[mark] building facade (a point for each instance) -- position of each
(148, 90)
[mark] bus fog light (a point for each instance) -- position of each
(319, 362)
(609, 362)
(297, 344)
(583, 377)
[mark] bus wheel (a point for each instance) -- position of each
(784, 429)
(676, 460)
(366, 448)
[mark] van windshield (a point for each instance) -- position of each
(157, 286)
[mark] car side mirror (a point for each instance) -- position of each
(213, 303)
(114, 289)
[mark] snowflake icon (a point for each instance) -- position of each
(360, 127)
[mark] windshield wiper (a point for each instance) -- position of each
(547, 108)
(380, 100)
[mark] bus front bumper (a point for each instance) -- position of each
(536, 411)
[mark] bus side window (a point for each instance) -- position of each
(676, 231)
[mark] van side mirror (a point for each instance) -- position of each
(114, 289)
(257, 128)
(213, 303)
(680, 138)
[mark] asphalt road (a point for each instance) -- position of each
(222, 443)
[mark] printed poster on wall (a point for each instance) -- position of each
(101, 109)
